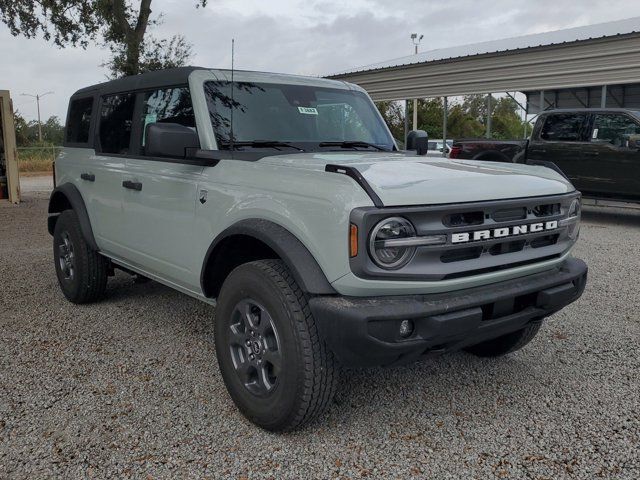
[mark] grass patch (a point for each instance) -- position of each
(36, 159)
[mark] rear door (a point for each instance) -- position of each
(160, 211)
(562, 138)
(615, 140)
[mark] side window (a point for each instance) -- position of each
(564, 127)
(79, 120)
(116, 118)
(170, 105)
(618, 130)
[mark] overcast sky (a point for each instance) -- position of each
(315, 37)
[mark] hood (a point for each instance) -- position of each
(400, 179)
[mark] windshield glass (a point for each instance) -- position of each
(305, 117)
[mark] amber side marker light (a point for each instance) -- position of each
(353, 240)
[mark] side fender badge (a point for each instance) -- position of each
(203, 196)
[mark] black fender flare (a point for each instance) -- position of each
(287, 246)
(67, 196)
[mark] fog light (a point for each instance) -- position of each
(406, 328)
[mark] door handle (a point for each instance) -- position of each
(591, 154)
(132, 185)
(89, 177)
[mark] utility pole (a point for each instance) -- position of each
(416, 42)
(38, 96)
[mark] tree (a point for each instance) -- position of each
(116, 24)
(22, 129)
(53, 131)
(27, 132)
(393, 114)
(507, 124)
(430, 114)
(462, 124)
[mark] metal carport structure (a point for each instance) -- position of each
(560, 61)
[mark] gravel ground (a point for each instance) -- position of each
(129, 388)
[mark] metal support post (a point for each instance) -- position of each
(444, 126)
(488, 132)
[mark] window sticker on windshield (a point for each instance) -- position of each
(308, 110)
(595, 133)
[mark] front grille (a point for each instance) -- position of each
(507, 247)
(508, 244)
(464, 219)
(461, 254)
(544, 241)
(510, 215)
(547, 210)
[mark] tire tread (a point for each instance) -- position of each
(321, 367)
(96, 267)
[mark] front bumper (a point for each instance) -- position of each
(364, 331)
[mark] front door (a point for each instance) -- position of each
(562, 140)
(160, 196)
(615, 144)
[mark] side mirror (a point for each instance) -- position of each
(418, 140)
(169, 140)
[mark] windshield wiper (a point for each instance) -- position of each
(263, 143)
(352, 144)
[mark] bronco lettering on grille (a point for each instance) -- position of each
(503, 232)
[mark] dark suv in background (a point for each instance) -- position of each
(597, 149)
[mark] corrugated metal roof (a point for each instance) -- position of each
(600, 30)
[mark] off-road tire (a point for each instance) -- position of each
(90, 270)
(507, 343)
(309, 374)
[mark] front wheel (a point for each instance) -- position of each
(275, 366)
(508, 343)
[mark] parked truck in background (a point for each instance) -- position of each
(597, 149)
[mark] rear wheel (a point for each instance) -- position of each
(82, 272)
(276, 368)
(505, 344)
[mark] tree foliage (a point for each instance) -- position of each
(27, 132)
(117, 24)
(467, 117)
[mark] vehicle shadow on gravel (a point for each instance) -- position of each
(453, 386)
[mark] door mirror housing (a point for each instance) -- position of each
(169, 140)
(418, 140)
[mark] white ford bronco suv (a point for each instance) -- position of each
(284, 201)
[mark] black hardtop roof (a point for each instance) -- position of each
(170, 77)
(160, 78)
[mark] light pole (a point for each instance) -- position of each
(416, 42)
(38, 96)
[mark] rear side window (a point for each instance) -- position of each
(79, 120)
(169, 105)
(616, 129)
(566, 127)
(116, 119)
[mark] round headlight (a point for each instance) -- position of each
(385, 245)
(574, 209)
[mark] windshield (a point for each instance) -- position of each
(268, 115)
